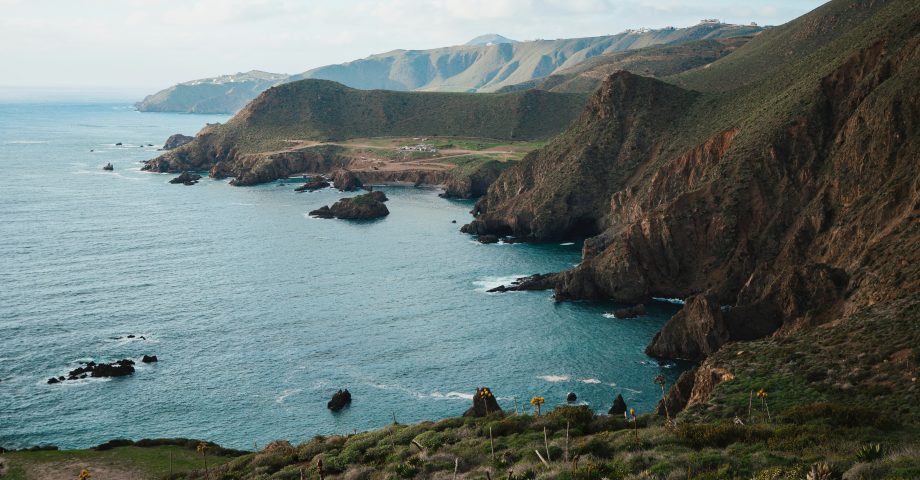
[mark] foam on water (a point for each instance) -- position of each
(485, 284)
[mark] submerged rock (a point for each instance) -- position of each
(618, 407)
(484, 403)
(313, 184)
(108, 166)
(631, 312)
(538, 281)
(322, 212)
(176, 141)
(488, 239)
(120, 368)
(186, 178)
(340, 400)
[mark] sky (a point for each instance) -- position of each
(146, 45)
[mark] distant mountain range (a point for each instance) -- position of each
(485, 64)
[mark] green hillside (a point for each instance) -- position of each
(277, 133)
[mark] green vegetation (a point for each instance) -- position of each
(142, 462)
(327, 111)
(580, 445)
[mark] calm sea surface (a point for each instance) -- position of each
(257, 312)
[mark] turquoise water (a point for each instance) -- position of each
(257, 312)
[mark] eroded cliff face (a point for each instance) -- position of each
(766, 224)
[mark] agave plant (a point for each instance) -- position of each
(821, 471)
(203, 448)
(869, 453)
(537, 402)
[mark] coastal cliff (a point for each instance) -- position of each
(775, 190)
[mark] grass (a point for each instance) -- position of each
(598, 447)
(150, 462)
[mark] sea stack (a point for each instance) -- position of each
(484, 403)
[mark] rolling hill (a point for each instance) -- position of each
(486, 64)
(264, 140)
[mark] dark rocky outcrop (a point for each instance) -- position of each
(695, 332)
(108, 167)
(322, 212)
(346, 181)
(186, 178)
(488, 239)
(618, 407)
(631, 312)
(340, 400)
(537, 281)
(678, 395)
(484, 403)
(120, 368)
(176, 141)
(314, 184)
(363, 207)
(571, 397)
(472, 184)
(149, 359)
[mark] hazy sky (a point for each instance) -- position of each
(151, 44)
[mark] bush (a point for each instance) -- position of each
(833, 414)
(869, 453)
(509, 425)
(719, 434)
(577, 417)
(433, 440)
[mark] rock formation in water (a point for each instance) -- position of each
(120, 368)
(363, 207)
(109, 167)
(340, 400)
(618, 407)
(484, 403)
(314, 184)
(186, 178)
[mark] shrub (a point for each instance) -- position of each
(433, 440)
(719, 434)
(578, 417)
(869, 453)
(833, 414)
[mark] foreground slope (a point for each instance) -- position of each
(484, 65)
(776, 190)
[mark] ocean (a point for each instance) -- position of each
(257, 312)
